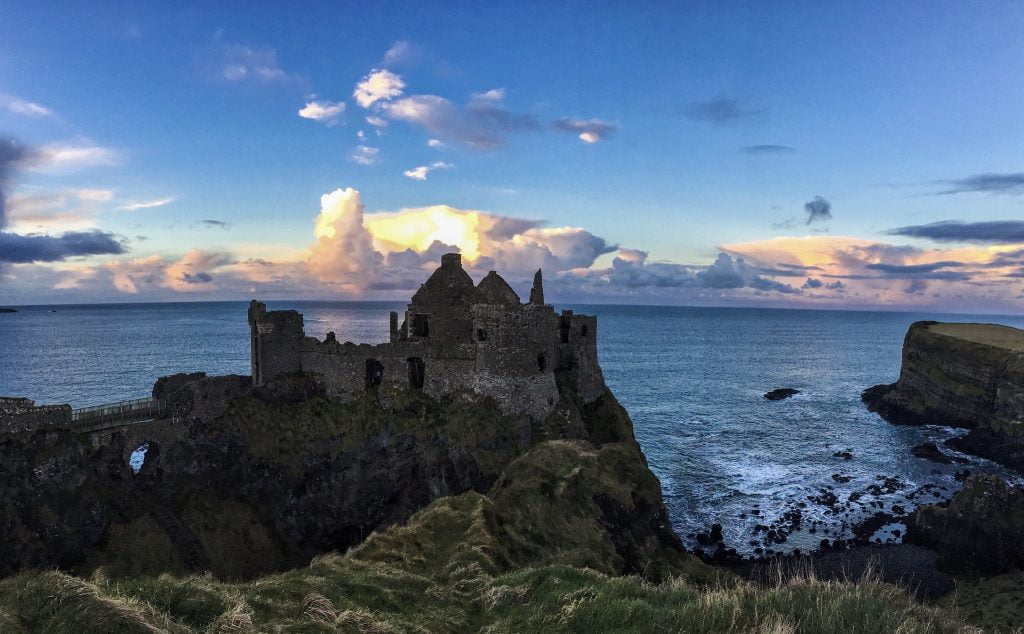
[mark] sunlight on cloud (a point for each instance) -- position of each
(379, 85)
(417, 229)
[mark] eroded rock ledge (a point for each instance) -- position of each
(962, 375)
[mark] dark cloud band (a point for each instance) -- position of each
(19, 249)
(992, 232)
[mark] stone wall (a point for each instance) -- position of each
(197, 397)
(22, 414)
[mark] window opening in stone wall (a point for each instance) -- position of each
(542, 361)
(563, 330)
(374, 373)
(417, 372)
(420, 325)
(583, 331)
(481, 334)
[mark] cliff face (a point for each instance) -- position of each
(980, 530)
(965, 375)
(286, 473)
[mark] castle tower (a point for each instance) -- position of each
(275, 339)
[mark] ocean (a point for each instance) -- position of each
(692, 380)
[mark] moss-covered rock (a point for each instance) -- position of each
(980, 531)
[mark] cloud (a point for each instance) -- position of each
(25, 108)
(65, 210)
(721, 110)
(358, 252)
(767, 149)
(146, 204)
(916, 287)
(12, 154)
(343, 252)
(220, 224)
(378, 86)
(435, 143)
(588, 130)
(193, 271)
(930, 270)
(244, 63)
(60, 157)
(366, 155)
(812, 283)
(327, 112)
(818, 209)
(992, 232)
(20, 249)
(377, 122)
(482, 124)
(400, 52)
(420, 173)
(993, 183)
(631, 270)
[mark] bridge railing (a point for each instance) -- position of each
(123, 412)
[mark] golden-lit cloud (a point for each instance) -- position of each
(417, 229)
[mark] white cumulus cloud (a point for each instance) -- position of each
(323, 111)
(379, 85)
(420, 173)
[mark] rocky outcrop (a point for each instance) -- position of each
(273, 478)
(963, 375)
(780, 394)
(981, 529)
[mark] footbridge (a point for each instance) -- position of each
(120, 414)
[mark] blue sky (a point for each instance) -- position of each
(711, 126)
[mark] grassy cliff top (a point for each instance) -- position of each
(988, 334)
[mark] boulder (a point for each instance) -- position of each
(981, 529)
(780, 394)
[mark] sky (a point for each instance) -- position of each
(791, 154)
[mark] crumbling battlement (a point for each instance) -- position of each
(22, 414)
(455, 335)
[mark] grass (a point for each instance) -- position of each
(351, 594)
(460, 565)
(988, 334)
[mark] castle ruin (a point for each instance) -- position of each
(455, 335)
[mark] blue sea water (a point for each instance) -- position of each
(692, 379)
